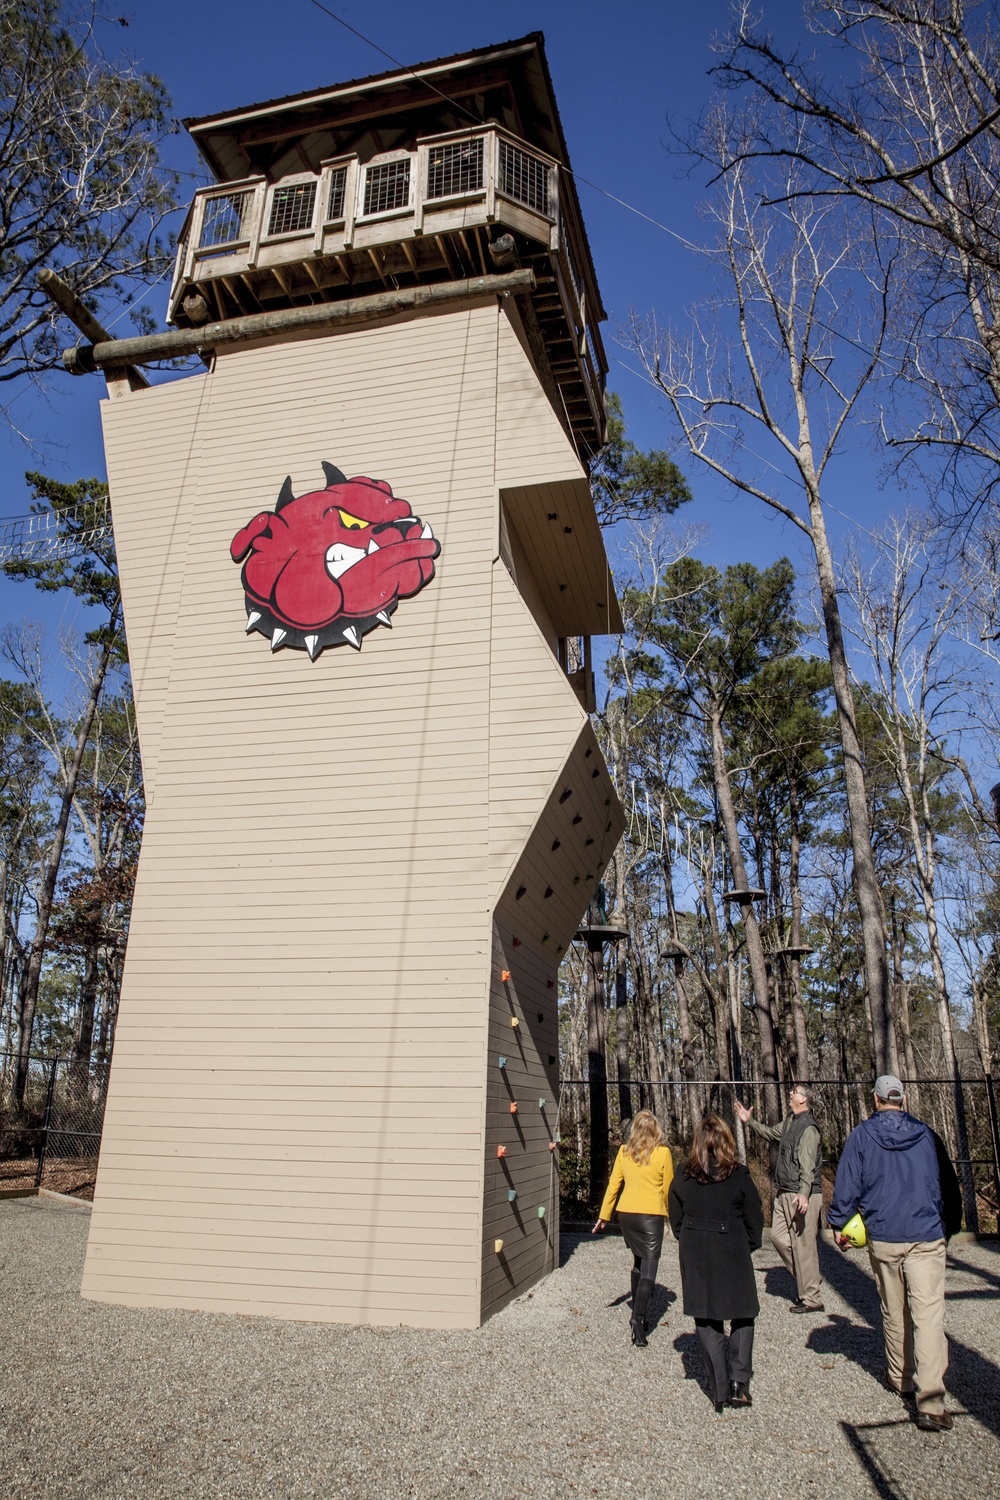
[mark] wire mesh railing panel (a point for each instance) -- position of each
(292, 208)
(387, 186)
(224, 221)
(839, 1105)
(454, 169)
(337, 194)
(524, 177)
(48, 535)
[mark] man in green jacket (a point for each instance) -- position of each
(799, 1187)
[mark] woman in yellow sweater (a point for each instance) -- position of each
(640, 1184)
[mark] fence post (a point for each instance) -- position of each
(45, 1128)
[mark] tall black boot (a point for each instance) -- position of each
(640, 1305)
(635, 1285)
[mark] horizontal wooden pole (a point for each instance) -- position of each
(143, 351)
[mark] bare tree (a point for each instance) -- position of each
(911, 129)
(783, 355)
(904, 613)
(81, 188)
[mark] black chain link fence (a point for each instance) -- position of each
(840, 1105)
(52, 1137)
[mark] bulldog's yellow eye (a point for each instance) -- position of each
(353, 523)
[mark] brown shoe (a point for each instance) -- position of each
(934, 1421)
(807, 1307)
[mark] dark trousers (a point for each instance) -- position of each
(726, 1359)
(643, 1234)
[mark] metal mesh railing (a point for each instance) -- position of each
(53, 534)
(840, 1105)
(337, 194)
(292, 208)
(524, 177)
(224, 219)
(454, 169)
(387, 186)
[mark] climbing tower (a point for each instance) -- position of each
(361, 570)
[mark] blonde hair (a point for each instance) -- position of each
(643, 1138)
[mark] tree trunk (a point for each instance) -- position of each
(597, 1070)
(622, 1031)
(865, 876)
(795, 966)
(28, 997)
(84, 1042)
(755, 948)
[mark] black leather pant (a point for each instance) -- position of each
(643, 1234)
(726, 1359)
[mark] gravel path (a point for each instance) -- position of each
(114, 1403)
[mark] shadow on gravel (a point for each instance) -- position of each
(570, 1243)
(780, 1283)
(689, 1349)
(882, 1483)
(988, 1276)
(972, 1378)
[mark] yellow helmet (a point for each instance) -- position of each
(854, 1230)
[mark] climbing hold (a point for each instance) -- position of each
(520, 892)
(550, 984)
(517, 942)
(541, 1210)
(588, 841)
(555, 845)
(594, 773)
(588, 754)
(513, 1106)
(501, 1152)
(578, 818)
(514, 1022)
(576, 880)
(504, 975)
(548, 892)
(501, 1062)
(553, 1145)
(552, 1061)
(541, 1016)
(497, 1246)
(541, 1104)
(567, 793)
(545, 937)
(607, 802)
(511, 1194)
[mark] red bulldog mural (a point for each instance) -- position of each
(327, 567)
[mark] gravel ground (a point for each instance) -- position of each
(547, 1399)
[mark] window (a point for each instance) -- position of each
(224, 219)
(338, 188)
(524, 178)
(387, 186)
(292, 208)
(454, 169)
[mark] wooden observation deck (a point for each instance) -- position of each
(441, 173)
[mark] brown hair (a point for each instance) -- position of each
(713, 1155)
(643, 1138)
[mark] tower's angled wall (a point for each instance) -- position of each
(303, 1091)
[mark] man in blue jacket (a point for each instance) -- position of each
(895, 1173)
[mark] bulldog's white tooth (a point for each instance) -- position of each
(252, 619)
(350, 634)
(372, 546)
(277, 638)
(312, 641)
(340, 557)
(383, 618)
(426, 534)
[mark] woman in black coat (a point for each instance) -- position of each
(716, 1215)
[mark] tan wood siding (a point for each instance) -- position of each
(298, 1115)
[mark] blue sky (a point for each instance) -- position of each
(623, 76)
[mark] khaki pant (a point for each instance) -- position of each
(910, 1281)
(795, 1237)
